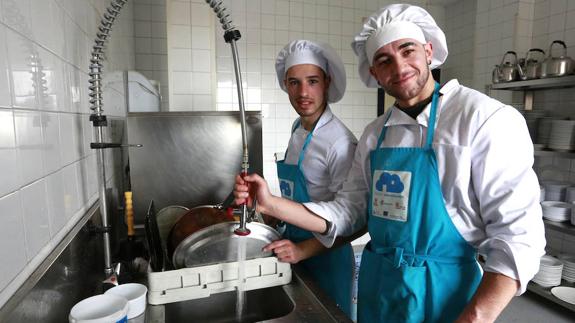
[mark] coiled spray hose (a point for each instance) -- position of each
(98, 119)
(231, 35)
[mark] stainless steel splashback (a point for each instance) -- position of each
(188, 158)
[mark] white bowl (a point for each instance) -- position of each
(100, 309)
(135, 294)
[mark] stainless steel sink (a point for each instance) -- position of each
(299, 301)
(261, 305)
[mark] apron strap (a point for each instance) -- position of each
(305, 144)
(432, 117)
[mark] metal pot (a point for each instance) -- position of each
(532, 67)
(508, 70)
(556, 66)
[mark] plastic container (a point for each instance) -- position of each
(135, 294)
(104, 308)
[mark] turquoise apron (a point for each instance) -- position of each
(417, 267)
(333, 269)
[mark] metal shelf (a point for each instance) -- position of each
(536, 84)
(553, 153)
(545, 292)
(564, 227)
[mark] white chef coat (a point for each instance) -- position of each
(485, 159)
(327, 157)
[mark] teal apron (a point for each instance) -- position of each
(333, 269)
(417, 267)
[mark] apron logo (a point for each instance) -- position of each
(286, 188)
(392, 182)
(390, 194)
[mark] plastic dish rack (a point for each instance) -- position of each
(203, 281)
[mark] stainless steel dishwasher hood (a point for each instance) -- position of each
(298, 301)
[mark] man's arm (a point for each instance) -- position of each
(494, 293)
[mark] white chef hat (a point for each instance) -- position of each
(320, 54)
(393, 22)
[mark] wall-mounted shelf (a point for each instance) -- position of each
(536, 84)
(565, 227)
(545, 292)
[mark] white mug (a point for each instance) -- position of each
(104, 308)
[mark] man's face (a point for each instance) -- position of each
(402, 68)
(307, 88)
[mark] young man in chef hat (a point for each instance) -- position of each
(444, 174)
(318, 157)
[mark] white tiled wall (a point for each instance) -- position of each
(152, 44)
(48, 175)
(518, 25)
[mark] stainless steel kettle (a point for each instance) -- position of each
(556, 66)
(508, 70)
(531, 69)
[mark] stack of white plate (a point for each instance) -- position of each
(532, 119)
(564, 293)
(555, 191)
(570, 194)
(543, 130)
(562, 135)
(568, 267)
(549, 274)
(556, 211)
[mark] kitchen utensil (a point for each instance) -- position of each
(557, 65)
(135, 294)
(218, 243)
(508, 70)
(153, 238)
(130, 248)
(533, 60)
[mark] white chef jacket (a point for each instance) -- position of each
(327, 157)
(485, 159)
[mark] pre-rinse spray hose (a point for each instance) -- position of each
(231, 35)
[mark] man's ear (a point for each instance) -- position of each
(372, 72)
(428, 48)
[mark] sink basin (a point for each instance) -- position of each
(260, 305)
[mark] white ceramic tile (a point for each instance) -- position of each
(16, 14)
(180, 37)
(29, 144)
(201, 60)
(13, 251)
(70, 190)
(21, 54)
(82, 178)
(142, 29)
(50, 74)
(142, 11)
(69, 138)
(201, 83)
(48, 25)
(51, 137)
(201, 37)
(179, 13)
(10, 180)
(202, 103)
(5, 100)
(36, 219)
(181, 102)
(56, 206)
(201, 14)
(182, 82)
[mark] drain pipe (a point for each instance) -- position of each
(231, 35)
(99, 121)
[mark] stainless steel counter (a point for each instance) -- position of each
(298, 301)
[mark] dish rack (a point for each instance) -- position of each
(203, 281)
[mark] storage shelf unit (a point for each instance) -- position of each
(545, 292)
(529, 86)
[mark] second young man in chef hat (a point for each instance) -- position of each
(318, 157)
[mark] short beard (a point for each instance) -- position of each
(407, 94)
